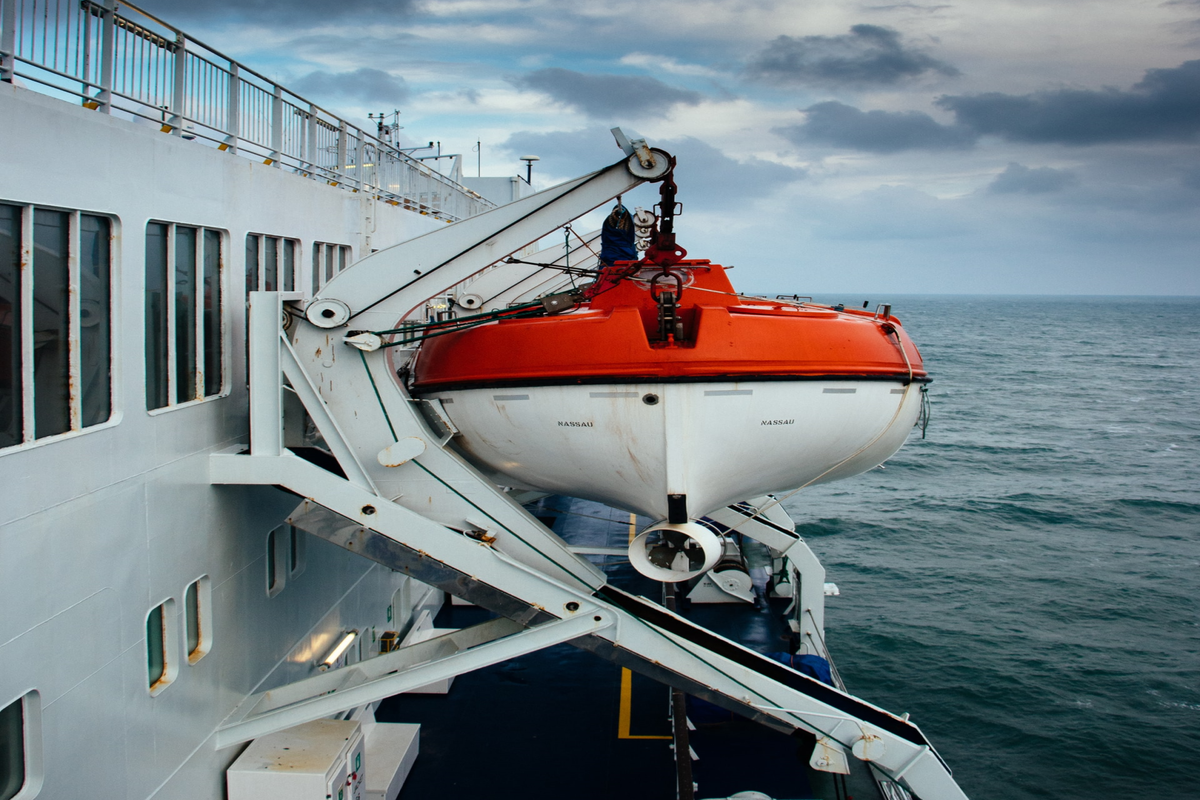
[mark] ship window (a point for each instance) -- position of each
(270, 263)
(184, 314)
(328, 260)
(12, 749)
(276, 564)
(197, 604)
(297, 551)
(55, 322)
(161, 644)
(21, 748)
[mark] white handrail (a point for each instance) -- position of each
(118, 59)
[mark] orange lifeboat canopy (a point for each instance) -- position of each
(617, 336)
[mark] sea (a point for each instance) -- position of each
(1024, 578)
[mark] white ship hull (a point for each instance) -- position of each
(100, 526)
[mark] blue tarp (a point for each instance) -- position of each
(812, 666)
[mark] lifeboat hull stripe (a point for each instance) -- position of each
(586, 380)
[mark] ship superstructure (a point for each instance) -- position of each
(216, 498)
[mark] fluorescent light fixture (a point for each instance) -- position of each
(337, 652)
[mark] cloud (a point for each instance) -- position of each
(1191, 178)
(606, 96)
(708, 178)
(839, 125)
(370, 85)
(868, 55)
(1163, 106)
(292, 14)
(909, 7)
(1019, 179)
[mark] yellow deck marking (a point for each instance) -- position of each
(625, 717)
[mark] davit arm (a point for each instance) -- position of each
(385, 286)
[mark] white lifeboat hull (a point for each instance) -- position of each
(632, 445)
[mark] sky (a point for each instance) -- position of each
(1011, 147)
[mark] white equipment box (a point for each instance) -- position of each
(320, 760)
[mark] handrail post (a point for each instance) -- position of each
(180, 86)
(341, 150)
(233, 115)
(360, 152)
(276, 125)
(8, 40)
(108, 35)
(310, 147)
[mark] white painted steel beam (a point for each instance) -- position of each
(633, 640)
(266, 389)
(323, 701)
(405, 275)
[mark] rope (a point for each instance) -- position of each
(828, 656)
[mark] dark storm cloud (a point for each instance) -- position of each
(606, 95)
(285, 15)
(868, 55)
(371, 85)
(840, 125)
(707, 177)
(1020, 179)
(1164, 106)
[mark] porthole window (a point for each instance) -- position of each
(277, 559)
(197, 613)
(161, 646)
(297, 551)
(21, 748)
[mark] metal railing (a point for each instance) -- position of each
(117, 59)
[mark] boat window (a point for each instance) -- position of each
(297, 551)
(12, 749)
(277, 566)
(55, 322)
(21, 748)
(161, 644)
(184, 314)
(197, 605)
(328, 260)
(270, 263)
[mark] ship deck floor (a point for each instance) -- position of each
(563, 723)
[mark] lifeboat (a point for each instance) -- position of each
(664, 392)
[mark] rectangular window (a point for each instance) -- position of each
(270, 263)
(184, 314)
(297, 552)
(277, 571)
(55, 322)
(12, 749)
(197, 600)
(162, 643)
(328, 260)
(21, 771)
(11, 394)
(51, 329)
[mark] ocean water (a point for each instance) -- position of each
(1025, 581)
